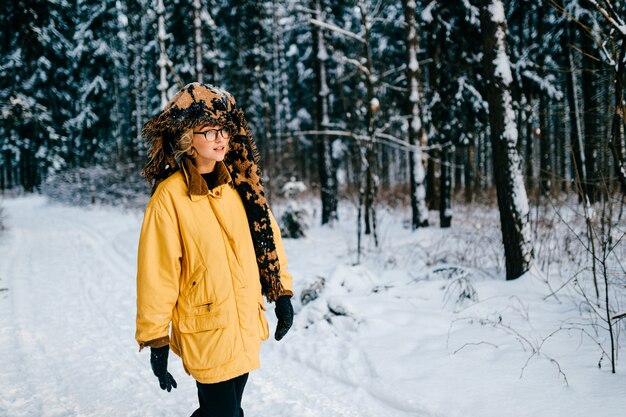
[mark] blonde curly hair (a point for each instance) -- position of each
(184, 144)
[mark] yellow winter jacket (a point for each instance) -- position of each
(197, 271)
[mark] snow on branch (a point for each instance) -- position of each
(390, 139)
(319, 133)
(615, 21)
(496, 9)
(340, 57)
(544, 84)
(337, 29)
(405, 144)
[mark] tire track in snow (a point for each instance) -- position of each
(18, 390)
(108, 274)
(108, 295)
(61, 326)
(30, 320)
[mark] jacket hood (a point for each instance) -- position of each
(198, 104)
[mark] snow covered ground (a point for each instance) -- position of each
(407, 332)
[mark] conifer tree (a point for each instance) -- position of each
(512, 199)
(33, 91)
(96, 61)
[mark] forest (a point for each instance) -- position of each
(416, 103)
(332, 89)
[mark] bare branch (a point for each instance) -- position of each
(474, 344)
(553, 293)
(619, 316)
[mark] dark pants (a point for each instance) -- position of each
(222, 399)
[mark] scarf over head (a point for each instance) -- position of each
(198, 104)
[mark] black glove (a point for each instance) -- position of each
(284, 313)
(158, 361)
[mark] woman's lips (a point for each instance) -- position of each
(221, 148)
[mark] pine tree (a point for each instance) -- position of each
(142, 55)
(455, 102)
(512, 200)
(97, 61)
(327, 172)
(33, 89)
(415, 129)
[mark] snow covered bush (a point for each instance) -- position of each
(313, 291)
(119, 185)
(293, 223)
(595, 244)
(460, 290)
(295, 219)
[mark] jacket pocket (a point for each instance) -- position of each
(264, 330)
(207, 340)
(202, 322)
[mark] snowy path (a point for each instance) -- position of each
(67, 324)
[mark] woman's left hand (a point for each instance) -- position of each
(158, 361)
(284, 313)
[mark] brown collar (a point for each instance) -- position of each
(196, 184)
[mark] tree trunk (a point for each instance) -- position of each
(213, 54)
(4, 171)
(282, 80)
(576, 138)
(275, 91)
(512, 199)
(445, 211)
(198, 40)
(470, 174)
(590, 118)
(545, 147)
(545, 143)
(529, 135)
(562, 137)
(326, 166)
(458, 157)
(415, 129)
(268, 160)
(123, 114)
(618, 128)
(163, 60)
(556, 121)
(137, 74)
(370, 165)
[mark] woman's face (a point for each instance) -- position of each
(211, 145)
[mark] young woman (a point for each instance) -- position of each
(209, 250)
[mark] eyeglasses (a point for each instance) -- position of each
(211, 134)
